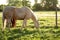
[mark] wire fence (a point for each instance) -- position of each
(49, 19)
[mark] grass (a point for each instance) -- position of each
(46, 30)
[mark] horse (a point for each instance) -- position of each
(12, 13)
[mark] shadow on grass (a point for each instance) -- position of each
(17, 33)
(44, 33)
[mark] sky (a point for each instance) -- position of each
(32, 2)
(59, 1)
(5, 2)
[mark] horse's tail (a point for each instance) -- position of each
(4, 23)
(13, 22)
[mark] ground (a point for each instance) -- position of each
(46, 31)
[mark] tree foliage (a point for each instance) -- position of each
(15, 3)
(37, 7)
(2, 7)
(19, 3)
(43, 5)
(26, 3)
(49, 4)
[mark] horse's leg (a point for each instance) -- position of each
(24, 23)
(35, 21)
(9, 23)
(4, 24)
(13, 22)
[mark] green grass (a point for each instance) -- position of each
(46, 30)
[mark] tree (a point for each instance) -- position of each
(35, 1)
(17, 3)
(2, 7)
(49, 4)
(26, 3)
(37, 7)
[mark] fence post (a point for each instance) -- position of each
(56, 26)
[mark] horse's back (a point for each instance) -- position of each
(23, 12)
(19, 13)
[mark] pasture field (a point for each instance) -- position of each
(46, 29)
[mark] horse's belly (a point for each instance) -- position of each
(20, 16)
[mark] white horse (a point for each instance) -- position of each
(11, 14)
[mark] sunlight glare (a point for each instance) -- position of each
(3, 2)
(32, 2)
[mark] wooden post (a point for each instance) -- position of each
(56, 26)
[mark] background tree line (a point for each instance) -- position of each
(44, 5)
